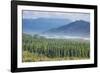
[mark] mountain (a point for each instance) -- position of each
(78, 28)
(42, 24)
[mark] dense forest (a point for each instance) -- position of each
(38, 48)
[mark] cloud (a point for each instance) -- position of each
(64, 15)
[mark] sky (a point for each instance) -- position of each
(73, 16)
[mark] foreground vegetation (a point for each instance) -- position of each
(38, 48)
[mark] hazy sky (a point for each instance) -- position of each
(64, 15)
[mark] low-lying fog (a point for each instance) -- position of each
(64, 37)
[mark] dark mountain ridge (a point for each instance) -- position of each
(78, 28)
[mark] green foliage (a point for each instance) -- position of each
(41, 49)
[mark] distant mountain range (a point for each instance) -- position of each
(63, 27)
(43, 24)
(78, 28)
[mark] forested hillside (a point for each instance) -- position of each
(38, 48)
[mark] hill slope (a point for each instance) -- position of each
(78, 28)
(42, 24)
